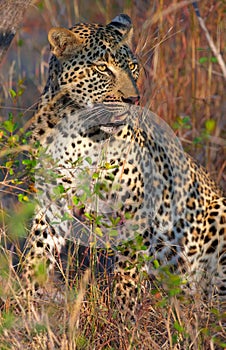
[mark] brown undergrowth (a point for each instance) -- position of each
(182, 82)
(78, 313)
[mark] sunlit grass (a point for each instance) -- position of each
(182, 82)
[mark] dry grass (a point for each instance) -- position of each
(74, 313)
(180, 81)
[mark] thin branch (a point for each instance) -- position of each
(216, 52)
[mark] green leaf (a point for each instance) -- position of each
(203, 59)
(115, 221)
(29, 162)
(77, 161)
(89, 160)
(214, 59)
(40, 5)
(107, 165)
(128, 215)
(23, 198)
(9, 125)
(174, 339)
(174, 291)
(197, 140)
(59, 190)
(98, 220)
(99, 232)
(9, 164)
(88, 216)
(178, 327)
(113, 233)
(182, 122)
(20, 92)
(12, 93)
(110, 176)
(210, 125)
(201, 49)
(11, 172)
(156, 264)
(75, 200)
(95, 176)
(186, 119)
(20, 42)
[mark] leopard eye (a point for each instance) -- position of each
(133, 66)
(102, 67)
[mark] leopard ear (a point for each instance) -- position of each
(63, 41)
(123, 24)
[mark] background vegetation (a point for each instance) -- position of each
(182, 82)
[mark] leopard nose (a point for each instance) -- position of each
(132, 99)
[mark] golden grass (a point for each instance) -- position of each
(79, 314)
(182, 82)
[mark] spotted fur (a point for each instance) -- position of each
(147, 188)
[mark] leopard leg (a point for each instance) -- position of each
(215, 248)
(128, 286)
(42, 247)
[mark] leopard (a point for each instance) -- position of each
(114, 173)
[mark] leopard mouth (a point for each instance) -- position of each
(129, 100)
(134, 100)
(111, 128)
(116, 113)
(118, 116)
(114, 126)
